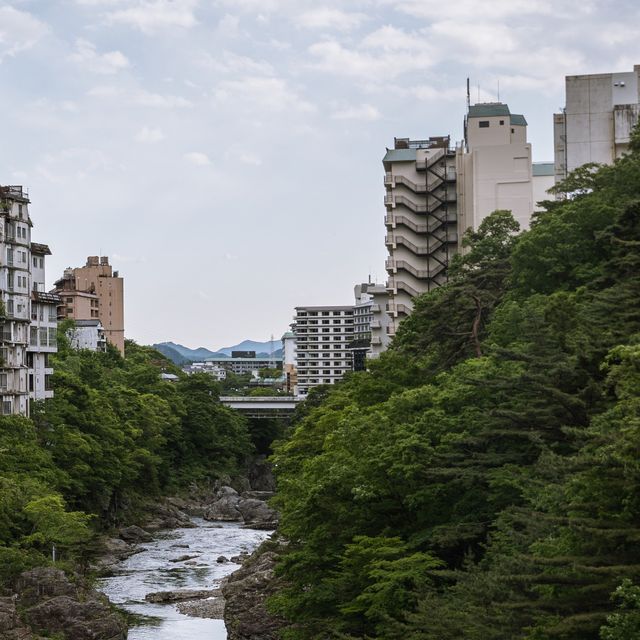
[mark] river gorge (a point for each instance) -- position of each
(179, 560)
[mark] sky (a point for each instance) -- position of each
(226, 154)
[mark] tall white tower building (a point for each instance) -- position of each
(27, 312)
(596, 123)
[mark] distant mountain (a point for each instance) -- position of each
(172, 354)
(182, 355)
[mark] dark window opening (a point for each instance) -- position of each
(483, 124)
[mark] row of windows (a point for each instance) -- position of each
(43, 336)
(315, 314)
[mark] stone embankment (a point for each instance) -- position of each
(46, 603)
(245, 594)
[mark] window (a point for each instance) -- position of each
(23, 256)
(35, 261)
(69, 300)
(6, 407)
(501, 122)
(47, 383)
(3, 381)
(42, 263)
(10, 306)
(513, 130)
(483, 124)
(43, 336)
(52, 337)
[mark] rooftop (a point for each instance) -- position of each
(40, 249)
(492, 109)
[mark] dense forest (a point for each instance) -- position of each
(482, 480)
(114, 436)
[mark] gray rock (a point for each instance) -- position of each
(182, 558)
(77, 620)
(134, 534)
(257, 512)
(210, 608)
(246, 591)
(222, 559)
(224, 508)
(179, 596)
(48, 603)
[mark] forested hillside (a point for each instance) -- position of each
(114, 435)
(482, 481)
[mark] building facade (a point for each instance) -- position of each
(322, 337)
(596, 124)
(435, 193)
(43, 331)
(27, 319)
(241, 366)
(290, 362)
(92, 292)
(88, 334)
(421, 219)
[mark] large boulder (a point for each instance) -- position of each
(261, 475)
(50, 604)
(245, 593)
(257, 513)
(166, 515)
(134, 534)
(11, 627)
(88, 620)
(225, 506)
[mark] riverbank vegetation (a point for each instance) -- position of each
(482, 480)
(115, 434)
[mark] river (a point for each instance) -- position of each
(153, 570)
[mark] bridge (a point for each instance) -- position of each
(262, 406)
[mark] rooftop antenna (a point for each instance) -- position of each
(272, 360)
(468, 95)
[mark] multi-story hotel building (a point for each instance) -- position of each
(44, 326)
(421, 219)
(435, 193)
(94, 291)
(322, 338)
(596, 124)
(27, 319)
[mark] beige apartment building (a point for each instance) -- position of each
(92, 292)
(596, 123)
(434, 193)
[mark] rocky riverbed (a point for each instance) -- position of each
(173, 580)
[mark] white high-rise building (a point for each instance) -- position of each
(44, 327)
(595, 125)
(322, 335)
(27, 318)
(435, 193)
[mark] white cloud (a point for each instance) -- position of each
(87, 57)
(229, 62)
(19, 31)
(262, 93)
(329, 18)
(363, 112)
(376, 63)
(72, 165)
(149, 135)
(149, 99)
(465, 10)
(152, 15)
(229, 26)
(198, 158)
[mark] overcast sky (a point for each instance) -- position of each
(226, 154)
